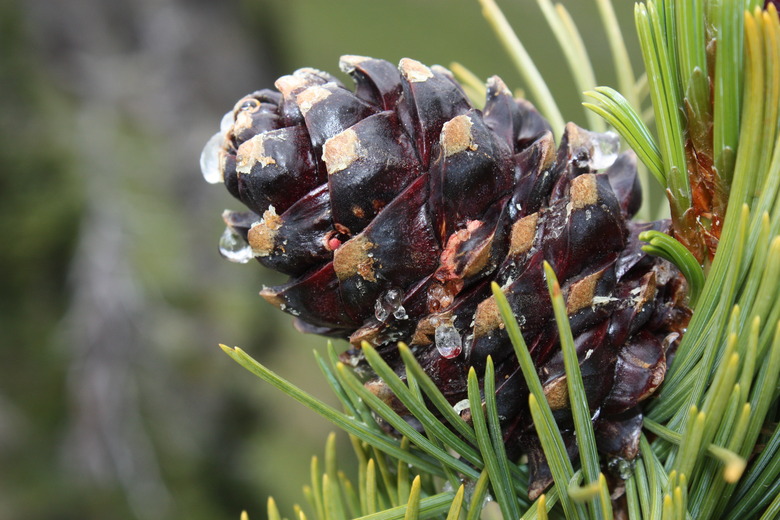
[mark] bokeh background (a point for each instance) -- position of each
(115, 401)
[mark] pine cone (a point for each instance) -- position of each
(393, 208)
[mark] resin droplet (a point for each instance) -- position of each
(390, 302)
(470, 488)
(234, 248)
(461, 405)
(439, 298)
(211, 159)
(605, 149)
(400, 313)
(448, 341)
(226, 123)
(620, 467)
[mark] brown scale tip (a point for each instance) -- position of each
(340, 151)
(311, 71)
(353, 258)
(657, 374)
(273, 297)
(246, 103)
(498, 84)
(348, 62)
(414, 71)
(262, 235)
(289, 83)
(456, 135)
(252, 152)
(581, 293)
(523, 234)
(584, 191)
(380, 389)
(310, 97)
(557, 393)
(478, 261)
(449, 268)
(487, 318)
(368, 333)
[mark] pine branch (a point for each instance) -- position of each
(715, 410)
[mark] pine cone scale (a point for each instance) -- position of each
(276, 168)
(296, 240)
(325, 310)
(368, 166)
(397, 249)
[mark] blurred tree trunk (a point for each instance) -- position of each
(131, 90)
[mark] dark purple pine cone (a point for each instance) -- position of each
(393, 208)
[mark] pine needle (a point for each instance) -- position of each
(525, 66)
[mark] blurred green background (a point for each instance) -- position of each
(115, 402)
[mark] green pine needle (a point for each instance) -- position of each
(664, 94)
(503, 470)
(727, 20)
(371, 488)
(578, 400)
(733, 464)
(621, 61)
(317, 496)
(457, 504)
(582, 494)
(478, 495)
(691, 441)
(273, 511)
(764, 392)
(574, 51)
(633, 503)
(719, 398)
(404, 428)
(684, 380)
(605, 499)
(542, 506)
(661, 244)
(331, 492)
(347, 423)
(773, 511)
(525, 66)
(352, 406)
(495, 459)
(434, 394)
(413, 505)
(402, 479)
(432, 425)
(429, 507)
(616, 110)
(560, 465)
(388, 496)
(350, 495)
(518, 343)
(331, 467)
(756, 487)
(544, 422)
